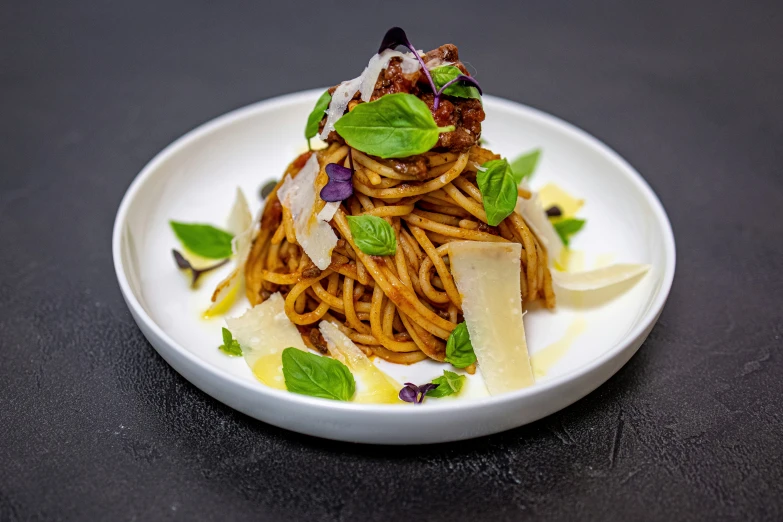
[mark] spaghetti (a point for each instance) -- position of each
(400, 307)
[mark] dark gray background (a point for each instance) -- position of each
(95, 425)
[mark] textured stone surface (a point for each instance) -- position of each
(94, 424)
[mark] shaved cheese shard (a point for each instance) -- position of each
(314, 235)
(329, 210)
(342, 95)
(536, 218)
(263, 332)
(378, 63)
(551, 194)
(487, 277)
(241, 224)
(365, 84)
(598, 278)
(240, 218)
(374, 385)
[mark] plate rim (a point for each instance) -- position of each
(640, 329)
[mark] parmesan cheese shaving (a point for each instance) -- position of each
(342, 95)
(598, 278)
(378, 63)
(374, 385)
(536, 218)
(329, 210)
(240, 223)
(263, 332)
(487, 277)
(364, 83)
(314, 235)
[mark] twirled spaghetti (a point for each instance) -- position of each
(400, 307)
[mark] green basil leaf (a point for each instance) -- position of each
(450, 384)
(498, 190)
(311, 129)
(203, 240)
(524, 166)
(393, 126)
(230, 345)
(444, 74)
(459, 351)
(373, 235)
(316, 376)
(567, 227)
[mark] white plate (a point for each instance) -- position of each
(194, 179)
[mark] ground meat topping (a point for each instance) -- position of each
(466, 114)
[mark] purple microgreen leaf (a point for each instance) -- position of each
(409, 393)
(554, 211)
(339, 186)
(460, 78)
(184, 264)
(415, 394)
(396, 36)
(337, 191)
(337, 172)
(424, 388)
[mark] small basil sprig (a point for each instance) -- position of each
(373, 235)
(230, 345)
(203, 240)
(450, 80)
(498, 190)
(316, 376)
(196, 273)
(449, 384)
(524, 166)
(459, 350)
(393, 126)
(567, 227)
(317, 114)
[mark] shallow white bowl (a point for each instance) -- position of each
(194, 179)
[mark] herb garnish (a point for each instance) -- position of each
(230, 345)
(339, 186)
(267, 189)
(396, 36)
(393, 126)
(203, 240)
(567, 227)
(554, 211)
(524, 166)
(373, 235)
(459, 350)
(315, 117)
(316, 376)
(449, 384)
(498, 190)
(448, 77)
(184, 264)
(415, 394)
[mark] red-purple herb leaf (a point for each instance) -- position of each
(184, 264)
(554, 211)
(395, 37)
(409, 394)
(339, 187)
(462, 78)
(415, 394)
(337, 172)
